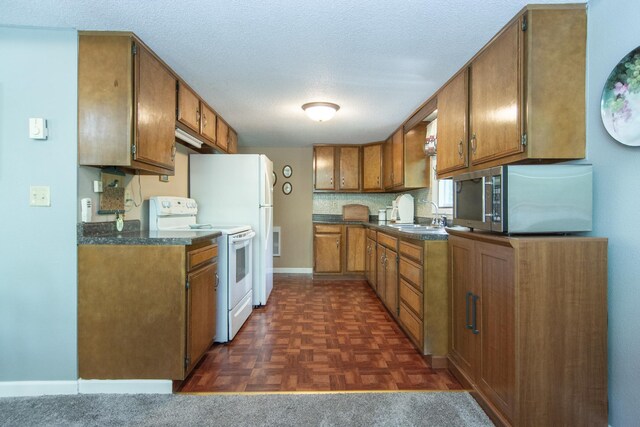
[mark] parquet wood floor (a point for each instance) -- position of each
(317, 335)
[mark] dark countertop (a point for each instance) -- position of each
(105, 233)
(383, 226)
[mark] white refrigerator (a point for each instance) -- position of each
(238, 189)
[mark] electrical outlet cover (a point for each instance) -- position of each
(39, 195)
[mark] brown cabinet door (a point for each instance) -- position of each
(452, 125)
(233, 142)
(380, 272)
(324, 168)
(464, 343)
(372, 167)
(391, 281)
(371, 266)
(387, 163)
(356, 255)
(188, 107)
(222, 134)
(495, 273)
(208, 123)
(398, 158)
(327, 253)
(156, 103)
(200, 313)
(495, 98)
(349, 168)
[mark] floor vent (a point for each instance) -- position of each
(276, 241)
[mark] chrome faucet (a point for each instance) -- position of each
(435, 221)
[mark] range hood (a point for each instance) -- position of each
(185, 137)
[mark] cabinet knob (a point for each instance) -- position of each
(337, 243)
(460, 148)
(173, 152)
(204, 120)
(474, 143)
(198, 116)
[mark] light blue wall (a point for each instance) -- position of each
(613, 31)
(38, 298)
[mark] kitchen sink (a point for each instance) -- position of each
(416, 228)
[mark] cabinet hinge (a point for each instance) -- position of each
(134, 49)
(133, 148)
(397, 259)
(187, 285)
(524, 23)
(523, 140)
(187, 362)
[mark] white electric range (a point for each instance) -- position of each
(169, 214)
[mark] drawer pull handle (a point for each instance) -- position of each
(467, 307)
(475, 317)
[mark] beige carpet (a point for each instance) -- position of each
(349, 409)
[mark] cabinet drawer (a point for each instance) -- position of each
(411, 298)
(328, 228)
(200, 256)
(411, 251)
(411, 324)
(411, 272)
(371, 234)
(388, 241)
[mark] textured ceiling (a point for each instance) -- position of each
(256, 62)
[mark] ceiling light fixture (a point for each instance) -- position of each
(320, 111)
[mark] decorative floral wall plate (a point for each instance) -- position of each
(620, 104)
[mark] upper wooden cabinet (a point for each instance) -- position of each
(372, 167)
(387, 165)
(452, 124)
(126, 105)
(222, 133)
(526, 95)
(405, 163)
(349, 171)
(196, 114)
(232, 147)
(208, 121)
(397, 158)
(336, 168)
(323, 168)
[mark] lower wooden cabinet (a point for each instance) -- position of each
(370, 261)
(145, 311)
(339, 249)
(387, 273)
(529, 321)
(327, 249)
(423, 295)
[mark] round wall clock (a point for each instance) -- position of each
(287, 188)
(287, 171)
(620, 103)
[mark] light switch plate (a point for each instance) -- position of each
(39, 195)
(38, 128)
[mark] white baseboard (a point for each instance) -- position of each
(293, 270)
(124, 386)
(37, 388)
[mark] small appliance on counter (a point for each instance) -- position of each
(521, 199)
(402, 211)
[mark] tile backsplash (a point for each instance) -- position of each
(332, 203)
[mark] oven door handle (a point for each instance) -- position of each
(243, 237)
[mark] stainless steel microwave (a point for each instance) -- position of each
(525, 199)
